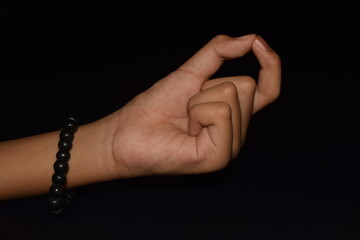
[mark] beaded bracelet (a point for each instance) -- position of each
(59, 199)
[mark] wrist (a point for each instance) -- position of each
(115, 156)
(90, 155)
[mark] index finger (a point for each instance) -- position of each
(209, 59)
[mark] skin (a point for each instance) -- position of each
(186, 123)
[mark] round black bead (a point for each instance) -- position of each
(56, 190)
(55, 202)
(63, 155)
(59, 178)
(64, 145)
(66, 135)
(59, 199)
(61, 166)
(70, 125)
(75, 120)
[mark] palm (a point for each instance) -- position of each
(163, 139)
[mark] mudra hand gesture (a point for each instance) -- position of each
(186, 123)
(189, 123)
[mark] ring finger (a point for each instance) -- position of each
(223, 92)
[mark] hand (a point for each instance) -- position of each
(186, 123)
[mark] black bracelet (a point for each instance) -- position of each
(59, 199)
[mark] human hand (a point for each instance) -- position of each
(186, 123)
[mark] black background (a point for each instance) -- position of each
(297, 175)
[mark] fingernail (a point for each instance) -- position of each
(261, 43)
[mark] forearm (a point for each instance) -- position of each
(26, 164)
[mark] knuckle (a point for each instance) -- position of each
(247, 84)
(223, 110)
(228, 90)
(220, 38)
(220, 42)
